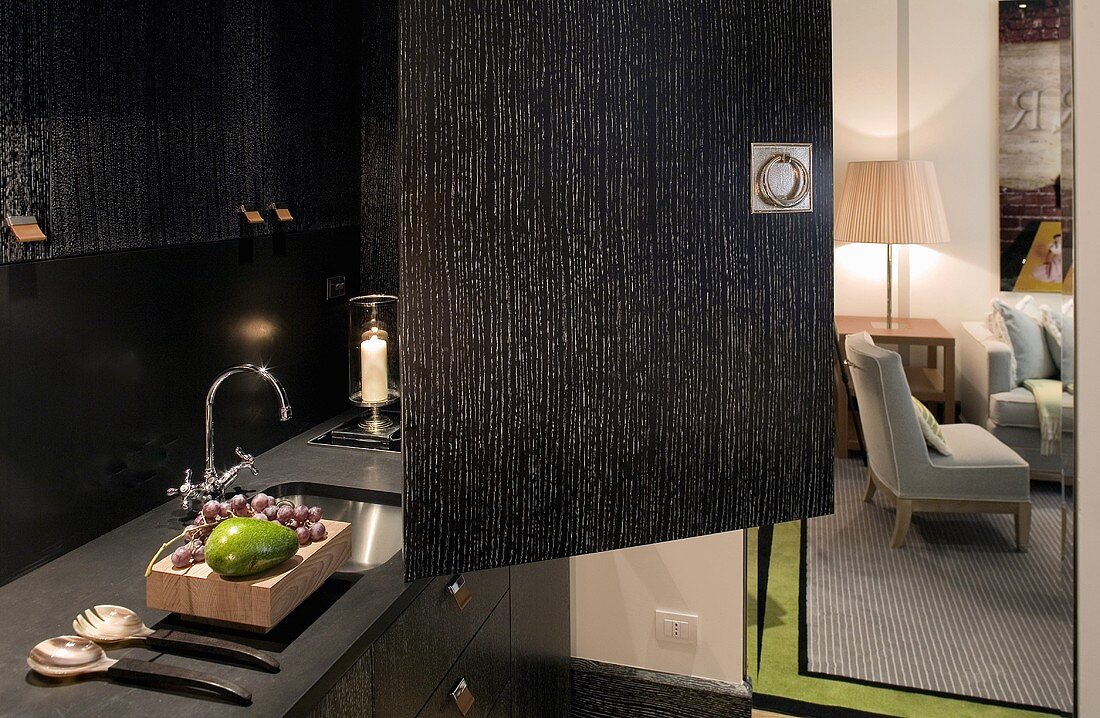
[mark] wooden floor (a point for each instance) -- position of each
(767, 714)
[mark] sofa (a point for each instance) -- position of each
(991, 400)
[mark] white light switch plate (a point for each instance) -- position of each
(676, 627)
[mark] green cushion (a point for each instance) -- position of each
(930, 428)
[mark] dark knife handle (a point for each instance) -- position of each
(197, 645)
(159, 675)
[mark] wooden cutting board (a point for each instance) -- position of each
(255, 603)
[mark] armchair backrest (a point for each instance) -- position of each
(895, 444)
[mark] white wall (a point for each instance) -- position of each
(614, 595)
(865, 127)
(945, 81)
(953, 58)
(1086, 28)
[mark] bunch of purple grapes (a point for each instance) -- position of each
(304, 520)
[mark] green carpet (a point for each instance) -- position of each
(777, 674)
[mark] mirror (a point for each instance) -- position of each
(1068, 344)
(946, 616)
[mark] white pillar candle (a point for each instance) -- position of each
(375, 374)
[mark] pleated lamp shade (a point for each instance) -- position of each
(891, 202)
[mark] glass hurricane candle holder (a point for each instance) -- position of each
(374, 368)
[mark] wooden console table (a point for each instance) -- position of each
(929, 383)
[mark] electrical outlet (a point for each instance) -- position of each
(676, 627)
(335, 288)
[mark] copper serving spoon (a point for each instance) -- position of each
(113, 624)
(67, 656)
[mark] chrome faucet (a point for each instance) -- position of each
(214, 483)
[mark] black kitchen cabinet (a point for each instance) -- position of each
(140, 125)
(24, 121)
(154, 129)
(512, 637)
(602, 346)
(308, 84)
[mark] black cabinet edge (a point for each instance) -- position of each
(603, 689)
(264, 239)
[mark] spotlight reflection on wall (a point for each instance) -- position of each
(256, 329)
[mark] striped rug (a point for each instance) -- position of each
(956, 610)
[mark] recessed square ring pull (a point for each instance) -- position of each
(25, 228)
(463, 698)
(282, 212)
(781, 177)
(460, 592)
(251, 214)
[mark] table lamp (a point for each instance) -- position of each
(891, 202)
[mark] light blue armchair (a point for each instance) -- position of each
(982, 476)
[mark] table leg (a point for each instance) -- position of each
(933, 356)
(949, 384)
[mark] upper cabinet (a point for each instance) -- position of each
(155, 123)
(309, 87)
(602, 346)
(24, 123)
(136, 125)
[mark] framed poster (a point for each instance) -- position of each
(1033, 109)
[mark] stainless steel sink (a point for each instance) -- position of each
(375, 519)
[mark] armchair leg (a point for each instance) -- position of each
(869, 494)
(901, 524)
(1023, 525)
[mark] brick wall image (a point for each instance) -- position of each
(1033, 112)
(1043, 20)
(1022, 209)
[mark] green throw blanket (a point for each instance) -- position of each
(1048, 399)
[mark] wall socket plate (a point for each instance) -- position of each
(335, 287)
(676, 627)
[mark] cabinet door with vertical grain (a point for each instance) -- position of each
(602, 347)
(308, 84)
(153, 122)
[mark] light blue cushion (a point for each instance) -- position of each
(1058, 330)
(1028, 341)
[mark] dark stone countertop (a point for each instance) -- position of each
(315, 644)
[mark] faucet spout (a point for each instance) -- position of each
(285, 412)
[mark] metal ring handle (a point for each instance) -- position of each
(801, 182)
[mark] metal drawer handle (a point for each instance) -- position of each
(463, 698)
(460, 592)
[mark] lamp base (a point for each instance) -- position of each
(892, 324)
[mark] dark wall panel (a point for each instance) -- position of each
(602, 347)
(105, 361)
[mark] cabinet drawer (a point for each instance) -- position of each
(484, 666)
(414, 654)
(351, 696)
